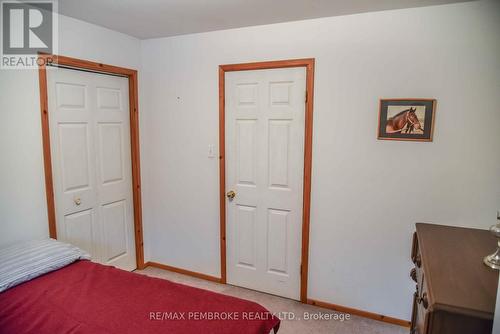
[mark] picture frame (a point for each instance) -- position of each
(408, 119)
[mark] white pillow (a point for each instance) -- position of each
(27, 260)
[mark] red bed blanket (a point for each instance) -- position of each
(86, 297)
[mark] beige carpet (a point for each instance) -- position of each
(355, 325)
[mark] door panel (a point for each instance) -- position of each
(246, 138)
(109, 98)
(114, 175)
(74, 145)
(279, 139)
(245, 226)
(71, 96)
(265, 115)
(90, 134)
(115, 230)
(277, 225)
(111, 150)
(280, 93)
(79, 229)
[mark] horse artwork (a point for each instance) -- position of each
(406, 119)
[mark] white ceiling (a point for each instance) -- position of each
(161, 18)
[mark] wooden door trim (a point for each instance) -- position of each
(308, 63)
(131, 74)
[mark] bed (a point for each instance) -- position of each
(86, 297)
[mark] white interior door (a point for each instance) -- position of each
(265, 115)
(91, 159)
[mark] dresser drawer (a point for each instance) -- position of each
(419, 325)
(420, 303)
(422, 308)
(417, 273)
(418, 317)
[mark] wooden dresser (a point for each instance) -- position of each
(455, 291)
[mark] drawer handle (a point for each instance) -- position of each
(413, 274)
(417, 260)
(423, 300)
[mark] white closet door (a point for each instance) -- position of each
(91, 159)
(265, 115)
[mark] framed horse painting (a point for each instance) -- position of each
(406, 119)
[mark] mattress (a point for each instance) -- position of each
(86, 297)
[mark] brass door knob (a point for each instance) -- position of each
(78, 201)
(230, 194)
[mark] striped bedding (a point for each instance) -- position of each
(27, 260)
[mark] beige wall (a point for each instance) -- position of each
(366, 194)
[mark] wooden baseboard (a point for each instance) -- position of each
(183, 271)
(360, 313)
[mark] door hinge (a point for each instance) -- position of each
(301, 269)
(306, 97)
